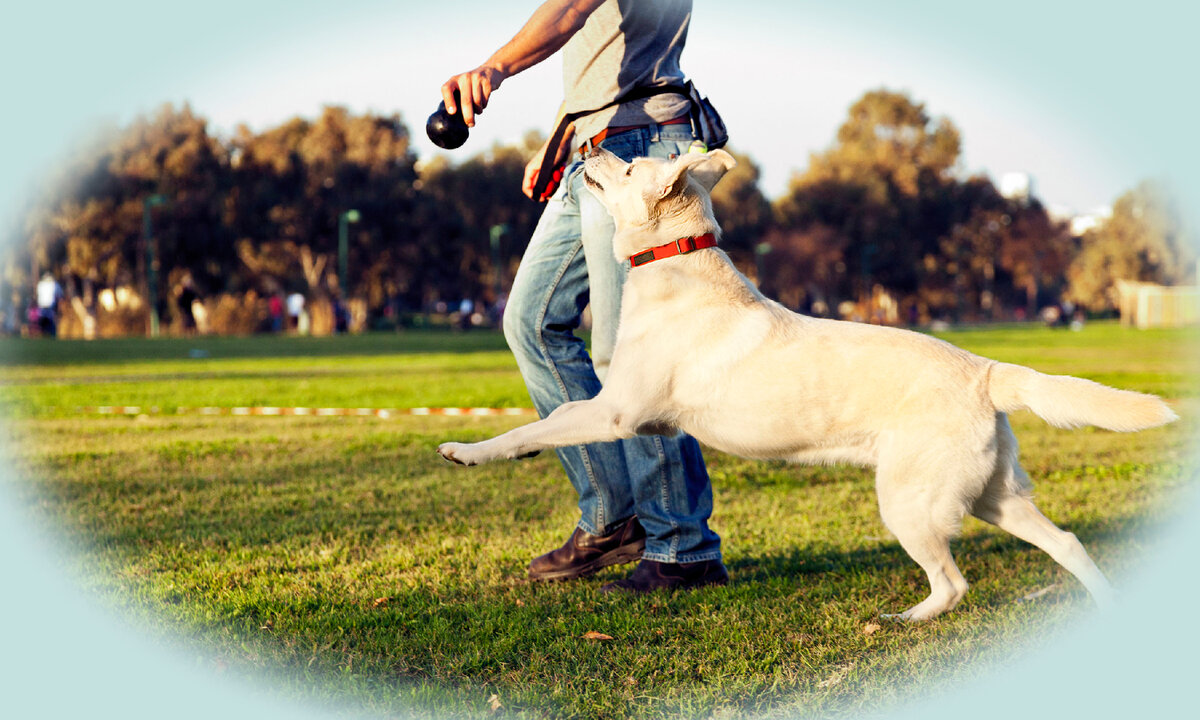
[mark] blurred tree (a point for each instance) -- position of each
(885, 206)
(88, 229)
(881, 189)
(259, 211)
(1145, 240)
(1035, 252)
(290, 185)
(172, 155)
(805, 267)
(463, 203)
(1000, 253)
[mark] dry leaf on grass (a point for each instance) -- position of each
(871, 628)
(593, 635)
(834, 679)
(1038, 593)
(494, 702)
(380, 602)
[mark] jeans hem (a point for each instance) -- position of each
(684, 558)
(588, 528)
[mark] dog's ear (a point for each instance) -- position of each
(707, 168)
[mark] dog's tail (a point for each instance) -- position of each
(1070, 402)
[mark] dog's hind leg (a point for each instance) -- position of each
(924, 522)
(1006, 504)
(1015, 512)
(574, 423)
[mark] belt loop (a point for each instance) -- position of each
(654, 129)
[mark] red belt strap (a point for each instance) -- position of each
(682, 246)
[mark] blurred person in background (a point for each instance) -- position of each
(295, 308)
(49, 293)
(185, 298)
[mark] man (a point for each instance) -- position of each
(649, 497)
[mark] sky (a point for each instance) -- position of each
(1049, 89)
(782, 74)
(1088, 97)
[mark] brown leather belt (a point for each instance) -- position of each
(599, 137)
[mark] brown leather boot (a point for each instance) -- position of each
(584, 553)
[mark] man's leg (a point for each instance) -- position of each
(672, 490)
(544, 310)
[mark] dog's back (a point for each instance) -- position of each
(761, 381)
(843, 378)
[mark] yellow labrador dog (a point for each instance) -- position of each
(699, 349)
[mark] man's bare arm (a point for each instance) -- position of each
(546, 31)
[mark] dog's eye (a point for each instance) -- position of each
(628, 170)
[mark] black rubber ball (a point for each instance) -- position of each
(446, 130)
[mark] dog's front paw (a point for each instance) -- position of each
(462, 453)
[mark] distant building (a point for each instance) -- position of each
(1146, 305)
(1016, 186)
(1079, 222)
(1083, 222)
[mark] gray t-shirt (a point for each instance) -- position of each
(626, 44)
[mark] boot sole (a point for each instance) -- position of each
(620, 556)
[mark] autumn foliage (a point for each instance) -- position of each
(882, 225)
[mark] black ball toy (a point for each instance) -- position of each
(446, 130)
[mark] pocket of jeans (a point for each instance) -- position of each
(627, 145)
(566, 187)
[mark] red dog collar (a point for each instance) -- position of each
(682, 246)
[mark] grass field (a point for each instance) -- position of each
(345, 560)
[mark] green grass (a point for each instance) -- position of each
(344, 559)
(411, 369)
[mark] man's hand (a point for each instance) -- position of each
(547, 30)
(474, 88)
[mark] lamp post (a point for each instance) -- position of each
(869, 251)
(761, 251)
(151, 258)
(344, 221)
(497, 232)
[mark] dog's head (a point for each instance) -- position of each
(654, 201)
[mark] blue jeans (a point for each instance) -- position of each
(569, 261)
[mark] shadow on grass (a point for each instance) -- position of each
(804, 562)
